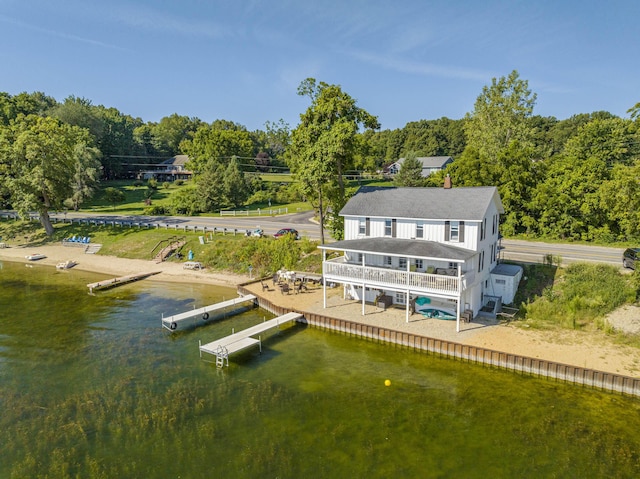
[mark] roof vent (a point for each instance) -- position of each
(447, 182)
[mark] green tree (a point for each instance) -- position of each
(210, 147)
(86, 174)
(634, 112)
(410, 173)
(500, 116)
(324, 144)
(211, 188)
(236, 187)
(79, 112)
(187, 201)
(620, 201)
(114, 196)
(40, 157)
(277, 138)
(173, 130)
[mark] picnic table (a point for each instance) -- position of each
(193, 265)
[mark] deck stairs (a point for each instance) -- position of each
(168, 250)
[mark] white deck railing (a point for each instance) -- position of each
(338, 270)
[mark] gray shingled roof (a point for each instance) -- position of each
(176, 160)
(462, 203)
(504, 269)
(429, 161)
(402, 247)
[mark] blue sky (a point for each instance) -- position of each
(243, 60)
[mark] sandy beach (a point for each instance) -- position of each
(594, 350)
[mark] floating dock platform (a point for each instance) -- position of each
(174, 322)
(112, 283)
(222, 348)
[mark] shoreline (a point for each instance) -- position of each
(592, 350)
(113, 266)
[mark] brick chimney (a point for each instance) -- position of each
(447, 182)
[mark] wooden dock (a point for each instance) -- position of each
(112, 283)
(222, 348)
(173, 323)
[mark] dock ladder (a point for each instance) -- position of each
(221, 354)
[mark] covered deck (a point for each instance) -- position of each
(444, 282)
(441, 284)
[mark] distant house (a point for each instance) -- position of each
(430, 164)
(433, 247)
(169, 170)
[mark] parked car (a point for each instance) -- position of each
(287, 231)
(258, 233)
(629, 257)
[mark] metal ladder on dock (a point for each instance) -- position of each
(221, 354)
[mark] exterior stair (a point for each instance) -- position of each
(168, 250)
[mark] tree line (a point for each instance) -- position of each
(575, 178)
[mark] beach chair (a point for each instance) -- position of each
(284, 288)
(265, 286)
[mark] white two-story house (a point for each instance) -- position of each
(403, 246)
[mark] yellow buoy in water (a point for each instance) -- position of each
(387, 382)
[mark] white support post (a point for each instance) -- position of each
(408, 300)
(364, 292)
(324, 281)
(459, 298)
(324, 294)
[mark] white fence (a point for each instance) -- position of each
(258, 212)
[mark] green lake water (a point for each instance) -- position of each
(93, 387)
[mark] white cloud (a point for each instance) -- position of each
(58, 34)
(154, 20)
(420, 68)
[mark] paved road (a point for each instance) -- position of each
(303, 222)
(534, 252)
(516, 250)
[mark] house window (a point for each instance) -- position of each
(401, 298)
(454, 232)
(419, 230)
(419, 264)
(387, 227)
(501, 281)
(360, 258)
(387, 261)
(402, 263)
(362, 226)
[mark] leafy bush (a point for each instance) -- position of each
(264, 255)
(584, 293)
(156, 210)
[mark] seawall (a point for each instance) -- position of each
(521, 364)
